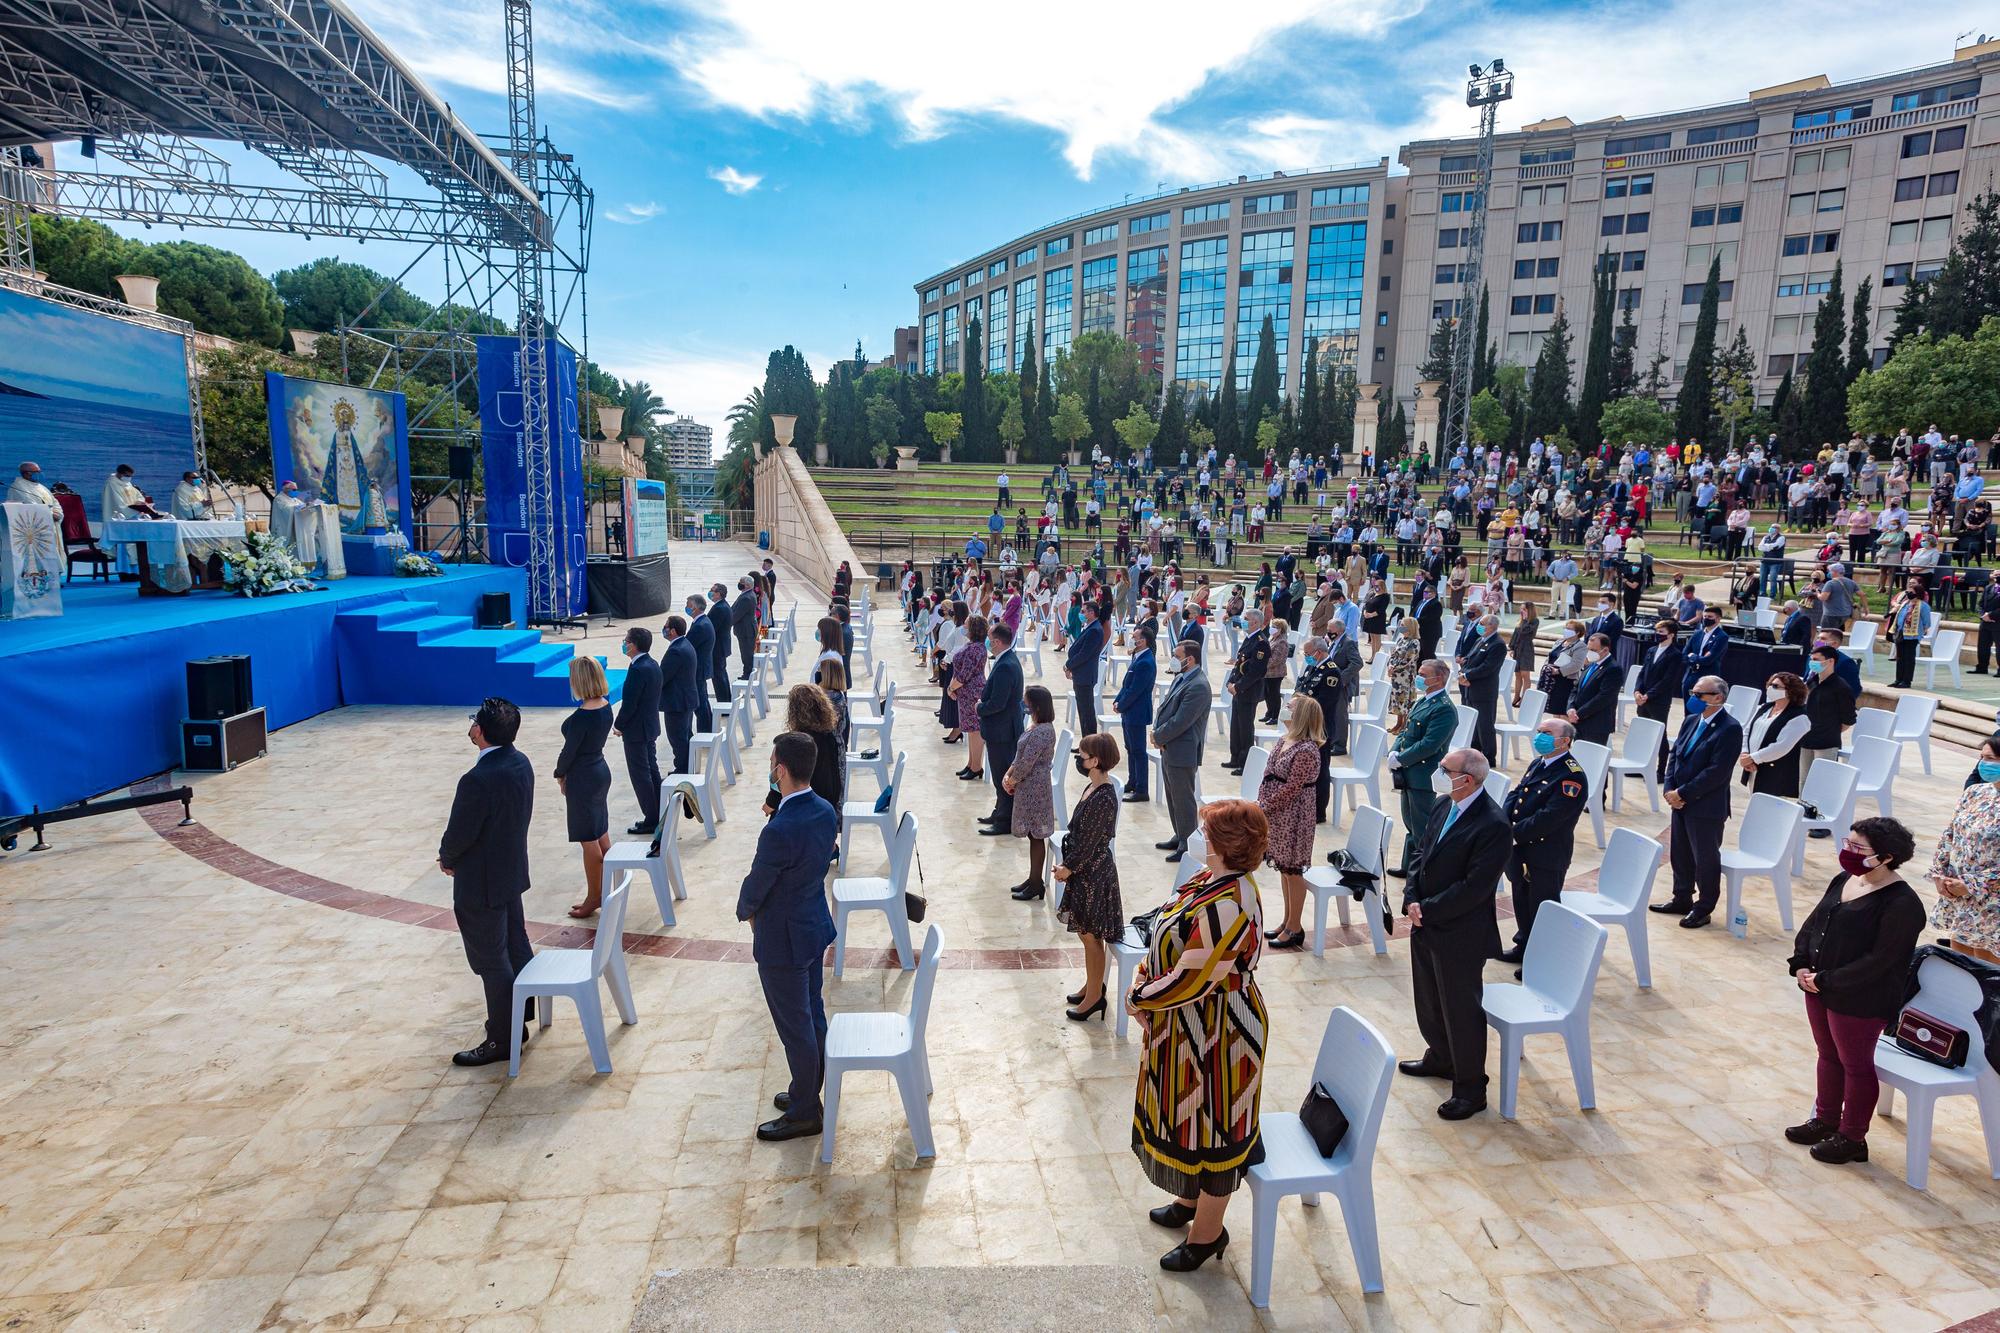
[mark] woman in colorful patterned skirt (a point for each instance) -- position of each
(1194, 1127)
(1966, 867)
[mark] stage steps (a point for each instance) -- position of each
(407, 652)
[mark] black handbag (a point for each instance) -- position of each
(1323, 1119)
(1143, 924)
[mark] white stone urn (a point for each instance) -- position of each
(610, 420)
(1013, 458)
(1076, 458)
(304, 340)
(906, 458)
(141, 292)
(944, 453)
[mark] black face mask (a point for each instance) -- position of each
(1081, 767)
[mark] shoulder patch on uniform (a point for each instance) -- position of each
(1574, 766)
(1571, 789)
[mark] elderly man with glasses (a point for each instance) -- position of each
(1697, 783)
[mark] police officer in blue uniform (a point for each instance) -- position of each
(1543, 809)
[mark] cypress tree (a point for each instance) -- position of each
(1548, 391)
(1395, 435)
(1597, 354)
(976, 433)
(1482, 369)
(1823, 409)
(1696, 402)
(1312, 436)
(1045, 409)
(1228, 421)
(1035, 444)
(1783, 395)
(1263, 399)
(1173, 424)
(1859, 355)
(1624, 344)
(1093, 408)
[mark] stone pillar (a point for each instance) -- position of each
(141, 292)
(1424, 420)
(1367, 413)
(303, 341)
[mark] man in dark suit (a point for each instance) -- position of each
(1593, 707)
(1607, 621)
(1988, 646)
(1698, 773)
(1000, 723)
(784, 900)
(701, 638)
(1705, 649)
(1659, 681)
(638, 725)
(743, 619)
(721, 617)
(1479, 679)
(1449, 901)
(484, 851)
(1343, 664)
(1430, 623)
(1543, 809)
(1179, 727)
(680, 690)
(1134, 706)
(1081, 666)
(1798, 627)
(1245, 684)
(771, 582)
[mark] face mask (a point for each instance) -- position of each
(1081, 767)
(1544, 743)
(1593, 656)
(1441, 782)
(1604, 607)
(1710, 621)
(1817, 666)
(1853, 862)
(1989, 770)
(1664, 637)
(1776, 694)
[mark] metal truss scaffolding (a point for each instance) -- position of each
(1486, 90)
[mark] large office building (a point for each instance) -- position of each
(689, 444)
(1188, 276)
(1874, 174)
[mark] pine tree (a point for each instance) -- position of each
(1597, 354)
(1967, 288)
(1263, 399)
(1735, 383)
(1337, 405)
(1228, 422)
(1548, 391)
(1482, 372)
(1288, 429)
(1910, 314)
(1653, 384)
(1823, 411)
(978, 438)
(1624, 346)
(1696, 403)
(1859, 355)
(1312, 434)
(1395, 434)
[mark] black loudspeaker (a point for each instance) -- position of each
(461, 462)
(220, 744)
(496, 610)
(218, 687)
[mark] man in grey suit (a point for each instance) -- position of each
(1179, 724)
(1344, 661)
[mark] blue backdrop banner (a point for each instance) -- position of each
(500, 421)
(347, 447)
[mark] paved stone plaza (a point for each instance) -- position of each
(227, 1102)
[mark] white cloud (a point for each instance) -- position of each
(463, 43)
(734, 181)
(699, 378)
(632, 214)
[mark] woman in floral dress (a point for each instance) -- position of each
(1195, 1119)
(1966, 867)
(1287, 796)
(1403, 654)
(967, 683)
(1091, 907)
(1029, 780)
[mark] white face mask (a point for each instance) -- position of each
(1594, 656)
(1441, 782)
(1776, 694)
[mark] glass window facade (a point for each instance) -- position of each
(1271, 203)
(1100, 295)
(931, 343)
(1535, 157)
(1214, 212)
(1025, 258)
(1146, 307)
(1059, 245)
(1151, 222)
(1024, 312)
(1099, 235)
(1204, 294)
(999, 337)
(1944, 92)
(1263, 287)
(1735, 129)
(1638, 143)
(1058, 296)
(930, 295)
(996, 268)
(952, 288)
(1342, 196)
(949, 357)
(1336, 271)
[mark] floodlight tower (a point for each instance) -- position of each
(1486, 89)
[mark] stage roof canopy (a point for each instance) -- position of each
(302, 81)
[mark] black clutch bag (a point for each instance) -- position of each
(1323, 1119)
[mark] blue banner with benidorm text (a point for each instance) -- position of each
(502, 438)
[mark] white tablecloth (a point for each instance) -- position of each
(170, 541)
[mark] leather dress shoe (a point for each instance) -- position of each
(641, 827)
(1669, 908)
(783, 1101)
(485, 1053)
(1422, 1069)
(1398, 874)
(1694, 920)
(1171, 1215)
(1170, 845)
(995, 831)
(784, 1127)
(1173, 858)
(1513, 955)
(1134, 797)
(1461, 1108)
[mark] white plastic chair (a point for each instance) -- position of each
(888, 1041)
(1639, 757)
(1860, 643)
(668, 877)
(1876, 722)
(1356, 1063)
(1371, 746)
(743, 709)
(873, 893)
(1254, 765)
(1832, 793)
(708, 751)
(1624, 885)
(1944, 652)
(1527, 717)
(863, 814)
(1628, 697)
(1596, 761)
(1763, 847)
(1368, 843)
(573, 975)
(1374, 710)
(1496, 787)
(864, 644)
(1878, 761)
(707, 795)
(1059, 778)
(1468, 721)
(1558, 975)
(1028, 647)
(1742, 704)
(1950, 994)
(881, 726)
(1912, 722)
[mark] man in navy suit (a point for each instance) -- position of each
(1798, 627)
(484, 851)
(743, 619)
(1000, 723)
(1479, 679)
(1594, 706)
(721, 617)
(1698, 771)
(1607, 621)
(638, 725)
(1134, 706)
(1081, 666)
(679, 691)
(784, 900)
(1704, 651)
(701, 638)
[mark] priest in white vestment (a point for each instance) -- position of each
(122, 500)
(191, 499)
(297, 523)
(28, 489)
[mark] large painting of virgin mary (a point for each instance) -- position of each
(345, 447)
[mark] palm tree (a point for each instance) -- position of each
(746, 419)
(641, 404)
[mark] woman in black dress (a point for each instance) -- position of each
(584, 778)
(1375, 602)
(1091, 907)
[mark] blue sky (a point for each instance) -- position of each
(769, 171)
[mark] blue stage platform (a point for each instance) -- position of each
(96, 696)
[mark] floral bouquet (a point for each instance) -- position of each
(414, 565)
(264, 567)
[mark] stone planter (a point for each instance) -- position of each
(819, 455)
(906, 458)
(944, 454)
(1076, 458)
(1013, 458)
